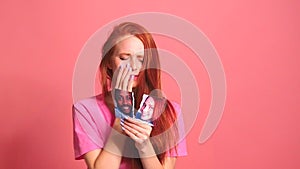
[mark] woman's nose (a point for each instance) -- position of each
(133, 63)
(136, 64)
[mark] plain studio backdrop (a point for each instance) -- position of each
(258, 44)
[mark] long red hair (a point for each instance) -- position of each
(148, 81)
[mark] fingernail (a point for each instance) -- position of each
(131, 77)
(123, 128)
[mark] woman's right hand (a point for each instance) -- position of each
(122, 78)
(122, 91)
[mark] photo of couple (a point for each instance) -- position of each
(124, 106)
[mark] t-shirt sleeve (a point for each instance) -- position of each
(180, 149)
(82, 131)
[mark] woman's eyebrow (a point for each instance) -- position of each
(125, 53)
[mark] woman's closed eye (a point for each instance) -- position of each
(124, 56)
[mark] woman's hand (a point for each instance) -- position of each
(139, 132)
(122, 91)
(122, 78)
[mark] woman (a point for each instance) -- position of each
(130, 63)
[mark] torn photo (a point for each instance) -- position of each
(146, 110)
(124, 103)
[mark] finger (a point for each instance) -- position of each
(134, 137)
(122, 124)
(118, 75)
(130, 134)
(126, 79)
(115, 77)
(130, 129)
(140, 123)
(124, 73)
(134, 134)
(144, 131)
(130, 83)
(138, 128)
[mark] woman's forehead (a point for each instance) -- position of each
(130, 45)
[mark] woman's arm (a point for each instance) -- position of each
(90, 158)
(110, 156)
(101, 159)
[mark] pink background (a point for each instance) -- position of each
(258, 43)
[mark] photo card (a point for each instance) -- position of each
(124, 103)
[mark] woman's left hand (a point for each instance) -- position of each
(138, 131)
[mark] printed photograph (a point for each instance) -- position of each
(146, 109)
(123, 103)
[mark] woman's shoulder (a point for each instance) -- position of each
(91, 104)
(89, 101)
(93, 107)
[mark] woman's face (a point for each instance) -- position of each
(129, 51)
(147, 109)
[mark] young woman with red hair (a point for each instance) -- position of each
(130, 62)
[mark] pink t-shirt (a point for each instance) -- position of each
(92, 122)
